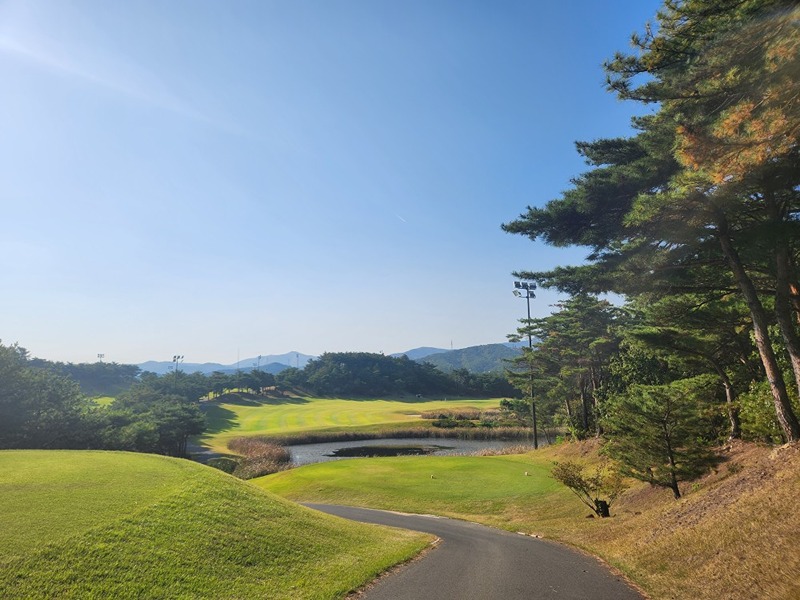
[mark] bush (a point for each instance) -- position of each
(757, 415)
(597, 491)
(461, 414)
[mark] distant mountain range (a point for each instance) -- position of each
(489, 358)
(476, 359)
(271, 363)
(420, 353)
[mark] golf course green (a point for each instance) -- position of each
(290, 415)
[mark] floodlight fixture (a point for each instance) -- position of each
(529, 286)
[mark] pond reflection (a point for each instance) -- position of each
(307, 454)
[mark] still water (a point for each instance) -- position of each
(307, 454)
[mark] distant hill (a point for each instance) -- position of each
(419, 353)
(273, 368)
(271, 363)
(489, 358)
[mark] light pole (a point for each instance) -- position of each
(177, 359)
(100, 357)
(524, 289)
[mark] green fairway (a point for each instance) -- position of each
(79, 524)
(491, 489)
(104, 400)
(282, 416)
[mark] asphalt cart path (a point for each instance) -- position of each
(474, 562)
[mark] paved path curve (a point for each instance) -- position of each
(474, 562)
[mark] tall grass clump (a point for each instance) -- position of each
(463, 433)
(516, 449)
(259, 457)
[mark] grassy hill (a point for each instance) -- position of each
(81, 524)
(733, 535)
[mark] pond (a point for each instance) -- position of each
(306, 454)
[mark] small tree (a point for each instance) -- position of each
(656, 432)
(597, 490)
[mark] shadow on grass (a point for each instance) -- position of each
(218, 418)
(405, 399)
(236, 399)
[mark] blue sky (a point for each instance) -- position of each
(218, 178)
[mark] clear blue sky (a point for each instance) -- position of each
(210, 178)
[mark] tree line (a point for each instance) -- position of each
(46, 404)
(42, 406)
(693, 220)
(364, 374)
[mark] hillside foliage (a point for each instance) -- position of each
(41, 408)
(694, 221)
(362, 374)
(489, 358)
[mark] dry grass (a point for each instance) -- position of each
(517, 449)
(464, 433)
(259, 457)
(733, 535)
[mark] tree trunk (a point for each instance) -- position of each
(795, 298)
(730, 400)
(547, 435)
(673, 478)
(595, 402)
(601, 508)
(783, 408)
(783, 288)
(585, 406)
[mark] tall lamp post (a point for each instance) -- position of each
(177, 359)
(524, 289)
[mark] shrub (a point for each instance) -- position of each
(460, 414)
(597, 491)
(757, 414)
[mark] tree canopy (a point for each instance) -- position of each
(699, 208)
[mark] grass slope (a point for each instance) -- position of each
(282, 416)
(733, 535)
(116, 525)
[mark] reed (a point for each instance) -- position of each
(259, 457)
(463, 433)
